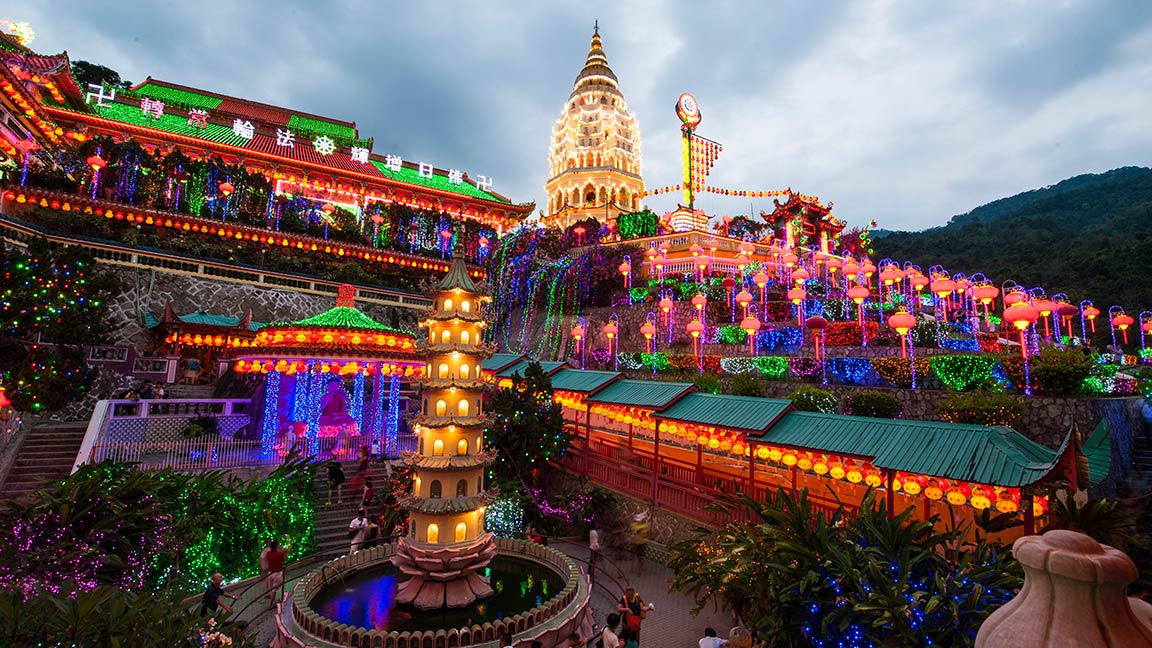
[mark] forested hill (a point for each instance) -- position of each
(1092, 242)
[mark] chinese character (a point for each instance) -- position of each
(393, 162)
(198, 118)
(455, 176)
(324, 145)
(243, 129)
(97, 92)
(285, 138)
(359, 154)
(153, 107)
(484, 182)
(425, 170)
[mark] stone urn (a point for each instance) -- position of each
(1074, 595)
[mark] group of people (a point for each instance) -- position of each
(147, 390)
(363, 531)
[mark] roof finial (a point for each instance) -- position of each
(596, 28)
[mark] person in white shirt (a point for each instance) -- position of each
(608, 634)
(710, 639)
(593, 549)
(357, 530)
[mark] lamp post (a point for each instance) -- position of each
(902, 322)
(695, 328)
(699, 302)
(761, 281)
(1065, 311)
(797, 296)
(729, 284)
(858, 294)
(625, 269)
(648, 330)
(578, 335)
(1045, 307)
(985, 293)
(1120, 320)
(744, 298)
(610, 330)
(869, 269)
(942, 287)
(666, 309)
(751, 325)
(817, 325)
(1090, 313)
(1022, 315)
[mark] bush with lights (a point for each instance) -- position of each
(873, 404)
(527, 430)
(983, 407)
(813, 399)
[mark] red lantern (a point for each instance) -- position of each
(1090, 314)
(902, 322)
(1122, 321)
(96, 162)
(226, 190)
(1021, 315)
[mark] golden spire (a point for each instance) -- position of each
(596, 66)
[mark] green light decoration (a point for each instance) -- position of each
(637, 224)
(505, 518)
(731, 334)
(344, 317)
(963, 372)
(771, 366)
(638, 295)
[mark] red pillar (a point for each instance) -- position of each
(587, 437)
(1029, 518)
(793, 481)
(699, 464)
(752, 470)
(891, 493)
(629, 437)
(655, 462)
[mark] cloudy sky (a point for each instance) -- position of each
(902, 112)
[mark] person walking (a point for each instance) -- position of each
(639, 529)
(272, 562)
(335, 481)
(357, 531)
(365, 458)
(634, 610)
(368, 493)
(608, 636)
(593, 549)
(212, 595)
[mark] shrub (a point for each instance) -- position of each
(707, 383)
(746, 385)
(983, 407)
(962, 372)
(773, 367)
(873, 404)
(1060, 372)
(813, 399)
(898, 371)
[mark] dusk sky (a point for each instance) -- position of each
(902, 112)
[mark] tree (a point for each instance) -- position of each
(51, 295)
(92, 73)
(527, 429)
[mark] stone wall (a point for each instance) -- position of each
(146, 291)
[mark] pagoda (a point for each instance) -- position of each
(594, 154)
(446, 544)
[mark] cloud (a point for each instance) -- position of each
(904, 112)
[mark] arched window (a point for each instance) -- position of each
(443, 369)
(465, 371)
(464, 337)
(447, 304)
(446, 337)
(461, 532)
(462, 447)
(462, 488)
(435, 490)
(462, 408)
(433, 534)
(438, 448)
(478, 442)
(466, 306)
(441, 408)
(480, 484)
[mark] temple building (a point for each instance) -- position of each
(804, 221)
(594, 156)
(447, 543)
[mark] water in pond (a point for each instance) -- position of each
(368, 599)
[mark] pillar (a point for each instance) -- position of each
(270, 424)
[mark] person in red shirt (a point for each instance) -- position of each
(272, 561)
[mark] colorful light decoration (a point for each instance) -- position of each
(610, 330)
(1120, 320)
(648, 330)
(858, 294)
(625, 269)
(797, 297)
(695, 328)
(817, 324)
(578, 335)
(751, 325)
(1090, 313)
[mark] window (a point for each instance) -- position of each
(435, 490)
(461, 532)
(438, 448)
(441, 408)
(480, 484)
(464, 337)
(466, 306)
(446, 337)
(478, 447)
(465, 371)
(462, 408)
(443, 369)
(462, 447)
(462, 488)
(433, 534)
(447, 304)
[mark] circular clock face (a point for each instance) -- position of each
(688, 104)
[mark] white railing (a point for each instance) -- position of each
(156, 432)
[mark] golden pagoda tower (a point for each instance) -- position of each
(446, 543)
(594, 154)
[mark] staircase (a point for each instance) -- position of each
(48, 453)
(332, 519)
(191, 392)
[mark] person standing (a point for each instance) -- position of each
(272, 562)
(211, 601)
(357, 531)
(593, 550)
(608, 637)
(335, 481)
(634, 610)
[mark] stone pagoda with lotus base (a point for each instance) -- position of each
(447, 545)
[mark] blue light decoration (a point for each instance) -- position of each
(392, 432)
(356, 406)
(270, 425)
(300, 395)
(505, 518)
(312, 413)
(850, 371)
(967, 344)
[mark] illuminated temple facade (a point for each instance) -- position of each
(594, 155)
(447, 544)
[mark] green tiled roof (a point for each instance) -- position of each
(343, 317)
(739, 412)
(437, 181)
(498, 361)
(521, 367)
(202, 318)
(170, 122)
(582, 381)
(641, 393)
(975, 453)
(457, 277)
(302, 123)
(167, 95)
(1098, 450)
